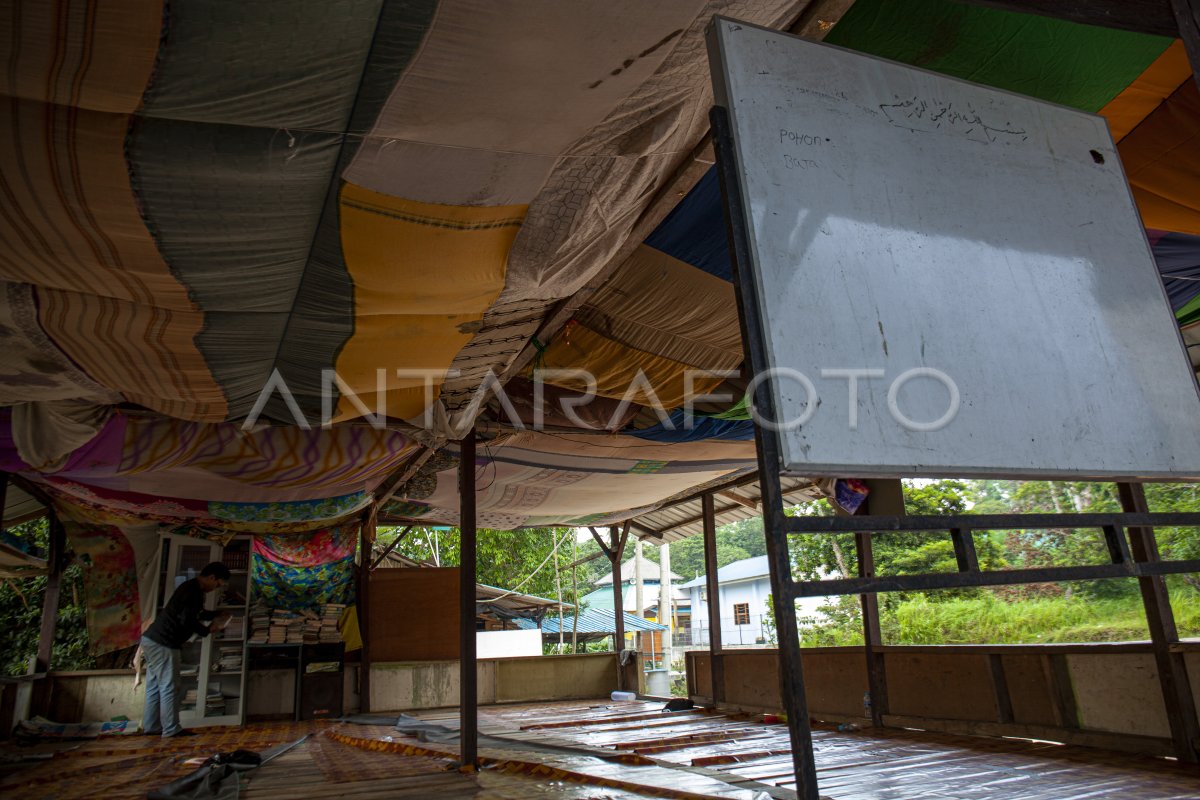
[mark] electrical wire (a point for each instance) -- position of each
(531, 575)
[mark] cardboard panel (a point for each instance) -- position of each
(566, 677)
(414, 614)
(752, 678)
(836, 682)
(1119, 692)
(942, 686)
(1030, 690)
(699, 667)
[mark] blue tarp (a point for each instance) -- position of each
(1178, 259)
(697, 429)
(694, 232)
(592, 620)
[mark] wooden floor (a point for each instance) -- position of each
(599, 751)
(857, 765)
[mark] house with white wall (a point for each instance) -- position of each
(745, 591)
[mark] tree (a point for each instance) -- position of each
(504, 559)
(735, 541)
(21, 612)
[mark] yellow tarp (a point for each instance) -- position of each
(423, 276)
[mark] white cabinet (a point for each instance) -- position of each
(213, 668)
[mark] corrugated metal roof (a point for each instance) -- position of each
(603, 598)
(735, 500)
(592, 621)
(650, 572)
(755, 567)
(20, 506)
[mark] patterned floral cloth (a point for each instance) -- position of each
(281, 586)
(308, 550)
(303, 571)
(295, 511)
(110, 581)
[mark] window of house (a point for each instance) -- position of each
(741, 614)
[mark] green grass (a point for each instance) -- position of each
(987, 619)
(990, 619)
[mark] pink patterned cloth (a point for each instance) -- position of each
(309, 549)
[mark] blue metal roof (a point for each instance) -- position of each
(592, 620)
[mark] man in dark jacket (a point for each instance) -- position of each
(183, 617)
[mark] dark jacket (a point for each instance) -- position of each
(182, 617)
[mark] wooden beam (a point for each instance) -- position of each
(366, 536)
(615, 551)
(580, 561)
(54, 558)
(604, 548)
(658, 533)
(1140, 16)
(637, 526)
(392, 484)
(387, 551)
(742, 501)
(1172, 672)
(690, 521)
(713, 587)
(32, 489)
(43, 660)
(468, 677)
(884, 497)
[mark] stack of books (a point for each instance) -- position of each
(189, 698)
(260, 622)
(330, 614)
(281, 626)
(214, 701)
(235, 628)
(287, 627)
(228, 660)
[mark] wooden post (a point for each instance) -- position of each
(3, 497)
(639, 594)
(468, 678)
(716, 657)
(665, 606)
(613, 550)
(574, 593)
(43, 660)
(1172, 672)
(53, 587)
(366, 541)
(885, 497)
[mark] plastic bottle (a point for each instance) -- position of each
(867, 702)
(623, 697)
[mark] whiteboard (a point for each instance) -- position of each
(970, 258)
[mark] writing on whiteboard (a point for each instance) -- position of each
(790, 162)
(800, 139)
(931, 115)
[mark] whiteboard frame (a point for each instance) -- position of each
(752, 303)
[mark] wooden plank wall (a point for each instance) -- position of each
(414, 614)
(1090, 694)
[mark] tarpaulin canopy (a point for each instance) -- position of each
(228, 213)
